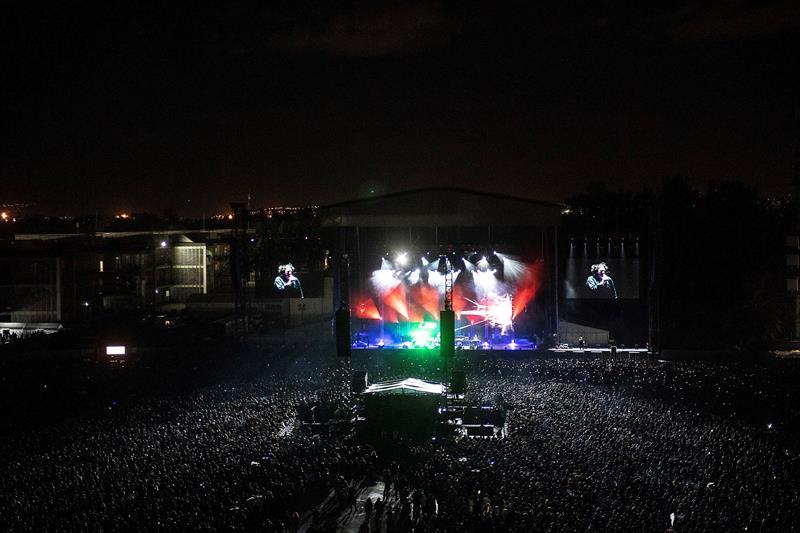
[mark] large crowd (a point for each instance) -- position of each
(591, 445)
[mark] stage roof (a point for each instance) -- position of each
(405, 386)
(441, 206)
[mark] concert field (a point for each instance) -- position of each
(214, 444)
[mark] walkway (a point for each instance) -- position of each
(349, 521)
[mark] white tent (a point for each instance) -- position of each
(405, 386)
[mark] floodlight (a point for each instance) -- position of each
(402, 258)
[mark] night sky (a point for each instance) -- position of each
(130, 107)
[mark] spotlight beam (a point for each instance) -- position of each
(473, 324)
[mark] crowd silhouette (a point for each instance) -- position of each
(592, 445)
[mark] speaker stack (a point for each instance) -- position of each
(358, 383)
(343, 345)
(458, 385)
(447, 333)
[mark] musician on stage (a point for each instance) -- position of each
(600, 281)
(287, 280)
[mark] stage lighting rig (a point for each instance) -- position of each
(442, 265)
(446, 269)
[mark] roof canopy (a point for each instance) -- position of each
(443, 206)
(405, 386)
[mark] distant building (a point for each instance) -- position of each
(181, 269)
(65, 277)
(30, 289)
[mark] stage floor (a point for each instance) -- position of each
(502, 349)
(517, 344)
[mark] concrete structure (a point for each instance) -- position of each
(30, 289)
(181, 269)
(570, 333)
(64, 277)
(292, 311)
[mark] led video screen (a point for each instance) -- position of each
(602, 278)
(287, 283)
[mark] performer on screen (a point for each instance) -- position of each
(600, 281)
(287, 280)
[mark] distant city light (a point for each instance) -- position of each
(4, 216)
(163, 244)
(230, 217)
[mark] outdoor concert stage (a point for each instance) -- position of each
(474, 344)
(397, 260)
(507, 350)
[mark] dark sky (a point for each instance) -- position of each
(129, 107)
